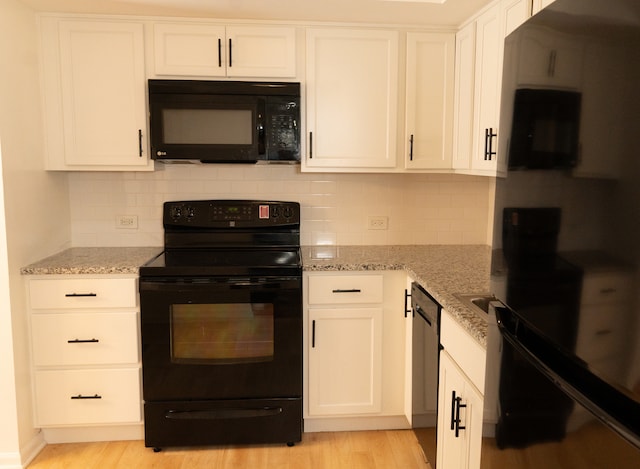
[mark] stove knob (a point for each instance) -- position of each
(288, 212)
(176, 212)
(190, 212)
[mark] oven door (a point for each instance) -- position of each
(221, 338)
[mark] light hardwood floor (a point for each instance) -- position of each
(383, 449)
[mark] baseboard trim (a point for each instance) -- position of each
(87, 434)
(346, 424)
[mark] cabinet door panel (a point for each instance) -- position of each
(352, 92)
(346, 358)
(461, 451)
(261, 52)
(103, 93)
(487, 87)
(197, 50)
(429, 100)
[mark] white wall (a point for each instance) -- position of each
(36, 216)
(422, 208)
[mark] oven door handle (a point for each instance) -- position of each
(196, 284)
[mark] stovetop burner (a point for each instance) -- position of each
(216, 262)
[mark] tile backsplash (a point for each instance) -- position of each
(420, 208)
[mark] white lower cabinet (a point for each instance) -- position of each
(460, 397)
(85, 350)
(355, 351)
(346, 357)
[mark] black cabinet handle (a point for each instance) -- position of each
(310, 145)
(219, 52)
(79, 295)
(80, 396)
(453, 410)
(407, 295)
(230, 54)
(313, 333)
(83, 341)
(351, 290)
(489, 153)
(140, 143)
(411, 148)
(456, 405)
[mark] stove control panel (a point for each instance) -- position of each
(231, 213)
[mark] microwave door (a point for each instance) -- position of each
(219, 129)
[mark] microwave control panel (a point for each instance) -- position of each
(283, 133)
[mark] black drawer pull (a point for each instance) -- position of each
(80, 396)
(351, 290)
(79, 295)
(82, 341)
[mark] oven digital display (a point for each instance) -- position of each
(230, 213)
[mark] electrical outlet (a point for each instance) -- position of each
(378, 223)
(127, 222)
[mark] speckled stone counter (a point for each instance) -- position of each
(111, 260)
(442, 270)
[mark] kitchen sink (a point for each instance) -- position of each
(479, 302)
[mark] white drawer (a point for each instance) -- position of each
(85, 338)
(345, 289)
(88, 397)
(76, 293)
(606, 288)
(470, 356)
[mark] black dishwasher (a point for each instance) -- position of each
(425, 360)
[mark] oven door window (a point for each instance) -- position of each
(222, 333)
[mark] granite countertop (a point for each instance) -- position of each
(442, 270)
(111, 260)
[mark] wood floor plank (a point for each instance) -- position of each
(384, 449)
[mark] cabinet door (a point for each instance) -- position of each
(352, 93)
(261, 51)
(189, 49)
(487, 90)
(429, 100)
(459, 444)
(345, 361)
(212, 50)
(464, 96)
(103, 93)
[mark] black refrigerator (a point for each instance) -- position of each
(566, 247)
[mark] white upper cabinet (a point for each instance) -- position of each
(213, 50)
(479, 60)
(429, 100)
(352, 96)
(94, 95)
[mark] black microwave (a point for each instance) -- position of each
(545, 129)
(224, 121)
